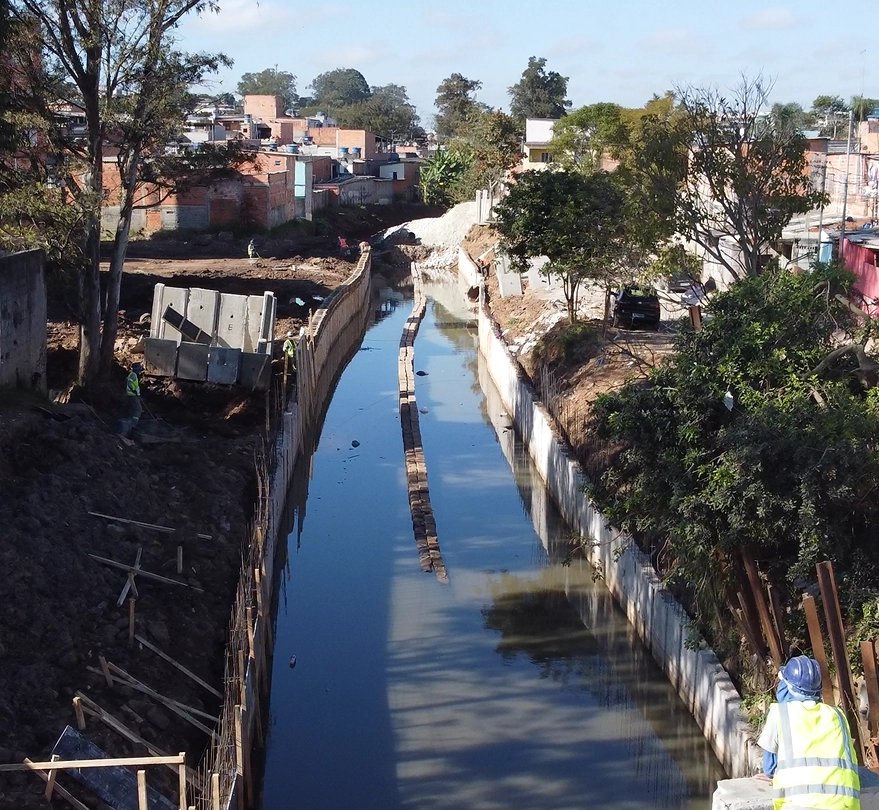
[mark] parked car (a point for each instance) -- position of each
(637, 306)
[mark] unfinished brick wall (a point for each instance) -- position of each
(23, 320)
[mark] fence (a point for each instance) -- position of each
(226, 774)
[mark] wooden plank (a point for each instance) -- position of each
(762, 608)
(778, 617)
(836, 631)
(181, 783)
(69, 764)
(60, 791)
(120, 728)
(215, 791)
(178, 665)
(868, 655)
(131, 603)
(129, 582)
(106, 670)
(142, 803)
(816, 639)
(50, 781)
(152, 526)
(80, 717)
(140, 572)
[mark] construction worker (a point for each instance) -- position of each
(132, 396)
(289, 350)
(251, 251)
(807, 745)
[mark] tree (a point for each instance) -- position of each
(337, 89)
(270, 82)
(756, 436)
(737, 172)
(387, 112)
(583, 137)
(456, 104)
(863, 107)
(539, 94)
(829, 113)
(575, 220)
(441, 174)
(130, 83)
(791, 117)
(493, 141)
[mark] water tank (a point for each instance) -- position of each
(343, 151)
(356, 151)
(292, 148)
(393, 157)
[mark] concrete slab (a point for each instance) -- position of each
(255, 307)
(160, 356)
(232, 321)
(509, 281)
(192, 361)
(178, 299)
(255, 371)
(756, 794)
(223, 365)
(202, 309)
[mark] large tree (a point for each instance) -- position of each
(270, 82)
(339, 88)
(456, 104)
(744, 176)
(387, 112)
(539, 93)
(576, 220)
(829, 113)
(117, 64)
(582, 138)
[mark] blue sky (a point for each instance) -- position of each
(621, 52)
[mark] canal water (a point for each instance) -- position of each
(517, 685)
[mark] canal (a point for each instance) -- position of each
(517, 685)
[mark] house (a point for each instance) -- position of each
(536, 149)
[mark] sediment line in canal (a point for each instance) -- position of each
(423, 521)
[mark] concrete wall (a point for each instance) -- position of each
(697, 675)
(23, 320)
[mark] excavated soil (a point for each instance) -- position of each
(194, 472)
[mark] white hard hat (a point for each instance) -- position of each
(289, 334)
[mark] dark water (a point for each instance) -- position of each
(518, 685)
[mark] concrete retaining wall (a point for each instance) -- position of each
(660, 621)
(23, 321)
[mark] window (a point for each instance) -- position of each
(545, 157)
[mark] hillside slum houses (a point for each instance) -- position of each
(299, 165)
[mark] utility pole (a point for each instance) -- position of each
(848, 155)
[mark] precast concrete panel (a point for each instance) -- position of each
(192, 361)
(255, 371)
(232, 321)
(160, 356)
(255, 305)
(509, 281)
(223, 365)
(203, 308)
(163, 297)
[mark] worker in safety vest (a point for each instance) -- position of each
(252, 255)
(807, 745)
(289, 349)
(132, 396)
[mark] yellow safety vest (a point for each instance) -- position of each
(132, 385)
(289, 348)
(817, 766)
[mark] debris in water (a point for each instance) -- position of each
(292, 661)
(355, 443)
(421, 373)
(422, 410)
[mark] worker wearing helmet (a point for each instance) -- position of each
(132, 396)
(807, 745)
(289, 349)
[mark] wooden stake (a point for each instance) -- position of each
(152, 526)
(181, 783)
(868, 654)
(762, 608)
(142, 791)
(129, 583)
(131, 622)
(69, 764)
(836, 631)
(778, 616)
(816, 639)
(215, 791)
(140, 572)
(239, 743)
(248, 620)
(59, 790)
(80, 717)
(242, 668)
(106, 670)
(179, 559)
(178, 665)
(50, 781)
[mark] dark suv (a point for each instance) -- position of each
(636, 306)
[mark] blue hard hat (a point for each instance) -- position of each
(803, 674)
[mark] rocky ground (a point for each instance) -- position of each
(59, 463)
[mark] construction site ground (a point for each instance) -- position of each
(193, 471)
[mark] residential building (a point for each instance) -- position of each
(536, 149)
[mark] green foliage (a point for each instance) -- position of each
(673, 260)
(387, 112)
(492, 143)
(270, 82)
(456, 104)
(441, 174)
(339, 88)
(787, 473)
(863, 106)
(576, 336)
(575, 220)
(583, 137)
(791, 117)
(830, 114)
(538, 94)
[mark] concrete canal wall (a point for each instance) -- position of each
(661, 622)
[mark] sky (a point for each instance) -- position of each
(610, 51)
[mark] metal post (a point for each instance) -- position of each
(848, 155)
